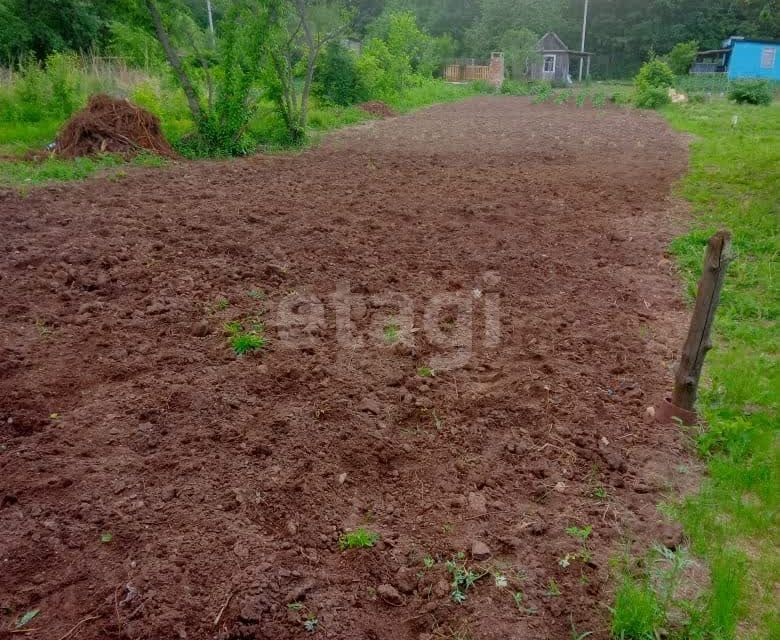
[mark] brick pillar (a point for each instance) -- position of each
(496, 71)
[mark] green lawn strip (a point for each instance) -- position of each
(29, 173)
(734, 520)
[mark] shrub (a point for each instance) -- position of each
(383, 74)
(482, 86)
(681, 57)
(655, 73)
(751, 92)
(515, 88)
(63, 74)
(651, 97)
(620, 97)
(336, 79)
(652, 84)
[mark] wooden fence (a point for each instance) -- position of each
(466, 72)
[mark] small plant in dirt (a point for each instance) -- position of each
(426, 372)
(463, 577)
(553, 589)
(307, 618)
(447, 325)
(429, 562)
(599, 99)
(221, 304)
(311, 624)
(581, 98)
(600, 493)
(576, 635)
(27, 618)
(358, 539)
(106, 537)
(584, 553)
(563, 97)
(581, 534)
(391, 332)
(500, 580)
(544, 93)
(257, 295)
(43, 329)
(246, 337)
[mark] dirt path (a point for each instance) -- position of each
(528, 241)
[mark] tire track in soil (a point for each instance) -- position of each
(218, 476)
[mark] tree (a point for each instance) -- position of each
(681, 57)
(499, 16)
(520, 50)
(336, 79)
(40, 27)
(302, 29)
(221, 120)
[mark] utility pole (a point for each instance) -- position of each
(584, 31)
(211, 24)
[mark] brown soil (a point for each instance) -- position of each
(112, 125)
(123, 410)
(379, 109)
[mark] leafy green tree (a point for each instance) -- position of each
(222, 117)
(499, 16)
(336, 79)
(681, 57)
(43, 26)
(520, 51)
(301, 30)
(398, 55)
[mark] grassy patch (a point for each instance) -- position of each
(431, 92)
(23, 173)
(246, 337)
(732, 522)
(358, 539)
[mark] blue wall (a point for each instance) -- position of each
(746, 61)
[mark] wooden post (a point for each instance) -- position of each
(716, 261)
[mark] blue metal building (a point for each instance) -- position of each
(742, 58)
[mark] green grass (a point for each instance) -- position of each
(636, 614)
(18, 138)
(431, 92)
(733, 520)
(358, 539)
(27, 173)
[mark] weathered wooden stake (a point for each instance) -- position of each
(716, 261)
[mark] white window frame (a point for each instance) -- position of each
(548, 56)
(768, 57)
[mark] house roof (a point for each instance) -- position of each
(712, 52)
(732, 40)
(569, 51)
(556, 45)
(561, 45)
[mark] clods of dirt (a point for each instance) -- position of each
(225, 482)
(379, 109)
(112, 125)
